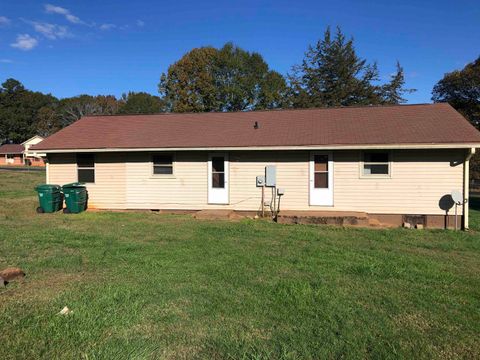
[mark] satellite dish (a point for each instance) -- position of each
(457, 196)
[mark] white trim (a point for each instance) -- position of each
(309, 147)
(163, 176)
(466, 187)
(47, 171)
(362, 163)
(33, 137)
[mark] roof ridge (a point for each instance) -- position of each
(270, 110)
(393, 124)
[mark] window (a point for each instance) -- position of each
(218, 172)
(86, 168)
(163, 164)
(321, 172)
(376, 163)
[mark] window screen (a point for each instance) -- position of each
(163, 164)
(321, 171)
(376, 163)
(86, 168)
(218, 172)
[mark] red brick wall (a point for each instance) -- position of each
(36, 161)
(17, 160)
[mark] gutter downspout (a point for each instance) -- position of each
(47, 170)
(466, 187)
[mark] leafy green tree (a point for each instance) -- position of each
(189, 84)
(393, 91)
(228, 79)
(19, 109)
(141, 103)
(245, 82)
(461, 89)
(332, 74)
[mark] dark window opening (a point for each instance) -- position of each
(86, 168)
(376, 163)
(218, 172)
(321, 171)
(163, 164)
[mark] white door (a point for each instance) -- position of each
(321, 178)
(218, 178)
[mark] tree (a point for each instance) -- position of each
(332, 74)
(228, 79)
(245, 82)
(461, 89)
(72, 109)
(189, 85)
(19, 109)
(47, 121)
(392, 92)
(141, 103)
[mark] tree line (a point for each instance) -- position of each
(232, 79)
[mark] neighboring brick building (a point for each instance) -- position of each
(19, 154)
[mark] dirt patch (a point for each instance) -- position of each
(40, 287)
(217, 215)
(412, 321)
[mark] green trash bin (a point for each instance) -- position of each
(76, 198)
(50, 198)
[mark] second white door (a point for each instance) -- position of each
(321, 178)
(218, 178)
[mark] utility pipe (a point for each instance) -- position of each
(466, 187)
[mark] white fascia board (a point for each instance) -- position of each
(265, 148)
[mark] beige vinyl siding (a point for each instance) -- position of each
(185, 189)
(188, 187)
(62, 169)
(108, 191)
(419, 178)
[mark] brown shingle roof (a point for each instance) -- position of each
(372, 125)
(11, 149)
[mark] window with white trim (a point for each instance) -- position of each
(162, 164)
(376, 163)
(86, 168)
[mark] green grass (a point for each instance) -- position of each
(144, 285)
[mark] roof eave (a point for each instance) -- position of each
(265, 148)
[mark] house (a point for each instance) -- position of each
(389, 162)
(33, 158)
(11, 154)
(20, 154)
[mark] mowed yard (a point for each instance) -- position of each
(145, 285)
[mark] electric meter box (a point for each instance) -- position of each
(270, 175)
(260, 180)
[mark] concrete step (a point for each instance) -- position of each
(213, 214)
(339, 218)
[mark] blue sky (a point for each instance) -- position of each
(110, 47)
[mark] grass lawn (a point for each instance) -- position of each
(144, 285)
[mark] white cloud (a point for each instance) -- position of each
(6, 61)
(140, 23)
(52, 9)
(25, 42)
(4, 21)
(51, 31)
(107, 26)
